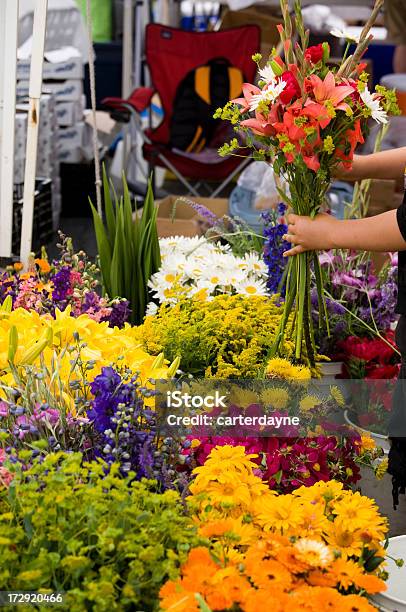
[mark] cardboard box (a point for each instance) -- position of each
(382, 197)
(69, 113)
(69, 69)
(255, 15)
(19, 168)
(70, 90)
(186, 221)
(21, 121)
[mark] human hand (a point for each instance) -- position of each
(309, 234)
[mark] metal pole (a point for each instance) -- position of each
(8, 33)
(127, 48)
(37, 62)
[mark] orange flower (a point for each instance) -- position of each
(263, 599)
(43, 265)
(173, 596)
(355, 603)
(226, 588)
(289, 558)
(18, 266)
(269, 574)
(322, 579)
(346, 572)
(370, 583)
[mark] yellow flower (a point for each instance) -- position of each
(358, 510)
(309, 402)
(381, 469)
(343, 538)
(277, 398)
(367, 443)
(282, 368)
(242, 397)
(337, 395)
(280, 513)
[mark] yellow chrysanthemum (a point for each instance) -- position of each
(337, 395)
(309, 402)
(381, 469)
(277, 398)
(282, 368)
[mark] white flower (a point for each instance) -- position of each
(343, 34)
(266, 73)
(251, 287)
(314, 553)
(252, 263)
(269, 94)
(151, 309)
(374, 106)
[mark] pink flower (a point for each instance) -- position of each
(5, 477)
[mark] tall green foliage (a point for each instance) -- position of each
(128, 247)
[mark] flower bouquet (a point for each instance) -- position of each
(307, 116)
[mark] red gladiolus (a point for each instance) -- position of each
(314, 54)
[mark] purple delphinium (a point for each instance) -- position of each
(274, 247)
(126, 427)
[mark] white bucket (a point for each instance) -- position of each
(394, 598)
(380, 440)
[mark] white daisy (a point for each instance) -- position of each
(343, 34)
(266, 73)
(253, 263)
(374, 106)
(269, 94)
(151, 309)
(251, 287)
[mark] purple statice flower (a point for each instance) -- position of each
(274, 247)
(120, 313)
(62, 286)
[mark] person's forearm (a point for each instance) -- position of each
(379, 233)
(383, 165)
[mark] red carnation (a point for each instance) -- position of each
(314, 55)
(292, 88)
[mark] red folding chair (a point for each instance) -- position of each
(170, 55)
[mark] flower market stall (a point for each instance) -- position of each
(200, 423)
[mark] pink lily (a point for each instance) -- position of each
(248, 91)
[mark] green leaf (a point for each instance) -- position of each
(103, 247)
(108, 208)
(12, 343)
